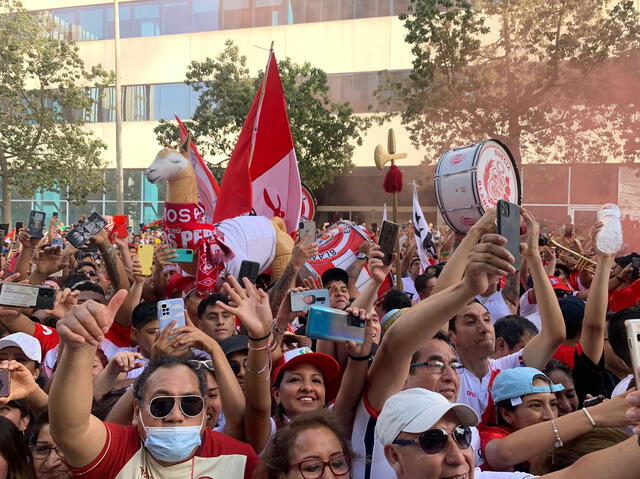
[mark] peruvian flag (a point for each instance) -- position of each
(262, 176)
(207, 184)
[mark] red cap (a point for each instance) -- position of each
(177, 284)
(557, 283)
(328, 366)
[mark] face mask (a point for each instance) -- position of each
(172, 444)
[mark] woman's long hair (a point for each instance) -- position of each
(13, 449)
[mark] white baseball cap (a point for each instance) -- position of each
(416, 410)
(29, 345)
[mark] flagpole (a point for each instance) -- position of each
(119, 172)
(263, 89)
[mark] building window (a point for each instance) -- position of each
(205, 15)
(146, 19)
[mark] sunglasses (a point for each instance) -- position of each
(434, 440)
(161, 406)
(204, 364)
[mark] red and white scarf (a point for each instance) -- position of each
(184, 227)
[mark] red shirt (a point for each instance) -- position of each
(488, 434)
(123, 457)
(566, 354)
(624, 298)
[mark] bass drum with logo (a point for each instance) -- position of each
(471, 179)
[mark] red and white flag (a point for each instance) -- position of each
(207, 184)
(424, 237)
(262, 175)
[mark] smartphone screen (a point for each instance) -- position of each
(248, 269)
(36, 224)
(5, 383)
(633, 339)
(509, 227)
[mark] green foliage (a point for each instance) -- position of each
(324, 133)
(534, 74)
(43, 81)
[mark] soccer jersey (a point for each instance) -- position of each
(474, 392)
(123, 457)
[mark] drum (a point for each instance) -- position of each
(308, 204)
(471, 179)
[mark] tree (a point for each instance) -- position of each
(43, 92)
(534, 74)
(324, 132)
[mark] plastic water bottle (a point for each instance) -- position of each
(609, 239)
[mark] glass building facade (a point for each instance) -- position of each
(169, 17)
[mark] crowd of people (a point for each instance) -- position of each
(473, 370)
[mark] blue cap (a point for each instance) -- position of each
(517, 382)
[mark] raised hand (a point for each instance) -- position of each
(377, 269)
(26, 240)
(87, 324)
(633, 413)
(486, 262)
(23, 384)
(164, 256)
(361, 350)
(125, 361)
(138, 277)
(167, 344)
(303, 251)
(50, 260)
(487, 223)
(285, 316)
(191, 337)
(250, 306)
(533, 232)
(65, 300)
(595, 229)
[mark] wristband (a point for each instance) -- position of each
(260, 339)
(590, 417)
(359, 358)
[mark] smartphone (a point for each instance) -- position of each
(57, 242)
(120, 226)
(19, 226)
(248, 269)
(334, 325)
(183, 255)
(86, 230)
(307, 228)
(4, 227)
(387, 240)
(145, 256)
(36, 224)
(593, 401)
(635, 264)
(27, 296)
(303, 300)
(509, 227)
(5, 383)
(169, 310)
(54, 214)
(633, 339)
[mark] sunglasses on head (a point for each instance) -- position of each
(161, 406)
(434, 440)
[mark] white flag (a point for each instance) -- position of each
(384, 213)
(424, 238)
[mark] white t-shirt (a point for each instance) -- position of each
(497, 306)
(527, 308)
(250, 238)
(500, 475)
(622, 386)
(371, 462)
(475, 392)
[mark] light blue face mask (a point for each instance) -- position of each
(172, 444)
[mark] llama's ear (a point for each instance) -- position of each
(184, 146)
(166, 143)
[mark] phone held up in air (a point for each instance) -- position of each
(18, 295)
(145, 256)
(36, 224)
(387, 240)
(5, 383)
(307, 228)
(303, 300)
(183, 255)
(248, 269)
(633, 340)
(509, 227)
(334, 325)
(120, 226)
(170, 310)
(86, 230)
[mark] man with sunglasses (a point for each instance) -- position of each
(168, 437)
(427, 437)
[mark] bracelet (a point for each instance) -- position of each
(558, 442)
(253, 371)
(360, 358)
(260, 339)
(262, 348)
(278, 329)
(590, 417)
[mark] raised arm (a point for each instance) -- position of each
(27, 248)
(454, 268)
(378, 272)
(252, 307)
(112, 262)
(531, 441)
(486, 261)
(593, 325)
(79, 434)
(123, 316)
(540, 349)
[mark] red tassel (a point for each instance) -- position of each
(393, 180)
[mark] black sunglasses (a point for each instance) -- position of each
(161, 406)
(434, 440)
